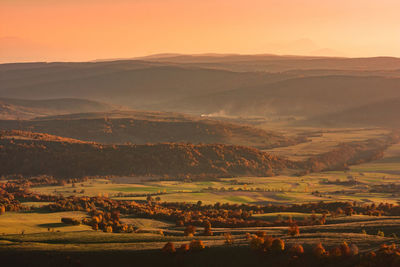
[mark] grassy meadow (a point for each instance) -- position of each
(44, 231)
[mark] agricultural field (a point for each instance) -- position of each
(45, 231)
(38, 226)
(249, 190)
(323, 140)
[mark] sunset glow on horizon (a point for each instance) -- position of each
(78, 30)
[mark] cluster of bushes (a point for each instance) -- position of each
(387, 255)
(8, 202)
(232, 218)
(70, 221)
(194, 245)
(107, 222)
(218, 215)
(184, 214)
(276, 251)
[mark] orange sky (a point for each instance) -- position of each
(91, 29)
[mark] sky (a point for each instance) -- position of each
(80, 30)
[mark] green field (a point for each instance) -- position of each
(81, 238)
(44, 231)
(32, 222)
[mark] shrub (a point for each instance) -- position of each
(345, 249)
(248, 236)
(370, 255)
(354, 250)
(319, 251)
(169, 248)
(294, 230)
(278, 245)
(268, 243)
(364, 232)
(256, 242)
(108, 229)
(130, 229)
(190, 230)
(380, 233)
(196, 245)
(184, 248)
(296, 250)
(261, 234)
(70, 221)
(335, 252)
(207, 229)
(2, 210)
(228, 238)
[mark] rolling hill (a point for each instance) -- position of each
(31, 154)
(26, 109)
(306, 96)
(123, 83)
(140, 127)
(49, 155)
(276, 63)
(382, 113)
(230, 85)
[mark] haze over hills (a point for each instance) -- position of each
(305, 96)
(139, 127)
(131, 87)
(382, 113)
(25, 109)
(229, 85)
(277, 63)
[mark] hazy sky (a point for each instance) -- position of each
(92, 29)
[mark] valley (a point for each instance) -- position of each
(202, 158)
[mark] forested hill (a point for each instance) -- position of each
(22, 153)
(32, 154)
(141, 127)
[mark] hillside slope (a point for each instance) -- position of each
(244, 85)
(382, 113)
(141, 127)
(26, 109)
(275, 63)
(306, 96)
(22, 155)
(120, 83)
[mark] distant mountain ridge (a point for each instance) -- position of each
(381, 113)
(305, 96)
(269, 86)
(25, 109)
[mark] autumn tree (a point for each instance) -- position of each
(293, 230)
(278, 245)
(190, 230)
(196, 245)
(319, 251)
(296, 250)
(169, 248)
(228, 238)
(2, 210)
(207, 229)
